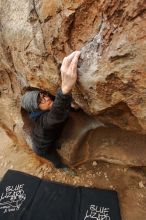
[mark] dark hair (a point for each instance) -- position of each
(47, 94)
(29, 88)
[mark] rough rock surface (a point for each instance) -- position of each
(112, 39)
(35, 35)
(111, 85)
(85, 139)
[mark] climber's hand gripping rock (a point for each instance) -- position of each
(69, 72)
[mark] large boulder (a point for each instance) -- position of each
(35, 37)
(37, 34)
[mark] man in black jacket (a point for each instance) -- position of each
(50, 114)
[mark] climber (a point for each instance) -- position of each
(50, 114)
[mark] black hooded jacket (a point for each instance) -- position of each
(48, 126)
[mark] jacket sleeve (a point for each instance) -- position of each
(59, 111)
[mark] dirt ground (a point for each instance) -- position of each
(130, 183)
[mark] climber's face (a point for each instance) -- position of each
(44, 102)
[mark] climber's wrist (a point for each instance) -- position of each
(65, 90)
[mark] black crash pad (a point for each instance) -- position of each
(25, 197)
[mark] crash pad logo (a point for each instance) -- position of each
(12, 199)
(97, 213)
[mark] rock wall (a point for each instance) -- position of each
(37, 34)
